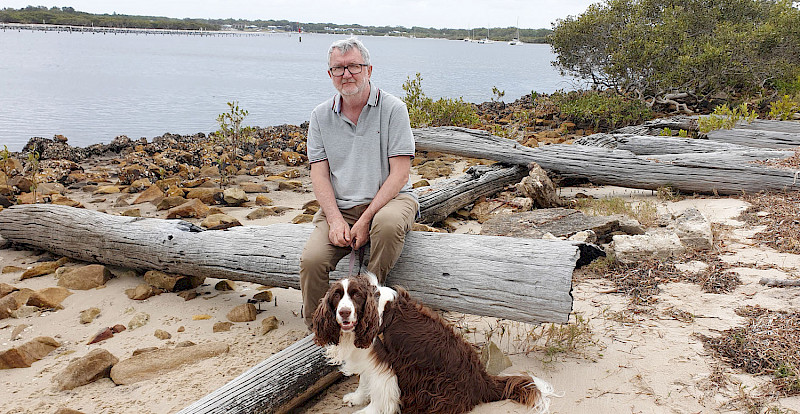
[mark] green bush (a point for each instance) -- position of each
(598, 109)
(425, 112)
(725, 117)
(784, 109)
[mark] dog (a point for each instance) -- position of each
(407, 356)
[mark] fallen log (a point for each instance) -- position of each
(718, 172)
(655, 145)
(766, 281)
(531, 280)
(759, 138)
(437, 203)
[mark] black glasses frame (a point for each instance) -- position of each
(349, 68)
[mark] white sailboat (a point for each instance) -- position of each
(515, 41)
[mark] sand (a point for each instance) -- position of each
(639, 363)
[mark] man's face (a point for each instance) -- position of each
(349, 84)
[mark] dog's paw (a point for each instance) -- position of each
(355, 398)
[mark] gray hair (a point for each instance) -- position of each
(345, 45)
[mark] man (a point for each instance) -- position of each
(360, 147)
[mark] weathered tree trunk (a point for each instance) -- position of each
(718, 172)
(276, 385)
(761, 138)
(654, 145)
(448, 196)
(531, 279)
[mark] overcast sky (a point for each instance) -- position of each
(532, 14)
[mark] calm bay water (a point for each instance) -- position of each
(93, 87)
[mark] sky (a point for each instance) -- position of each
(455, 14)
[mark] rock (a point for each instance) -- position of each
(206, 195)
(22, 183)
(292, 158)
(234, 197)
(140, 351)
(50, 188)
(222, 327)
(425, 227)
(64, 201)
(171, 282)
(245, 312)
(560, 222)
(628, 225)
(693, 229)
(421, 183)
(302, 218)
(585, 236)
(10, 303)
(289, 185)
(181, 328)
(192, 208)
(152, 194)
(209, 171)
(138, 320)
(88, 315)
(188, 295)
(134, 212)
(161, 361)
(131, 173)
(64, 410)
(633, 249)
(85, 370)
(17, 332)
(85, 277)
(261, 212)
(140, 185)
(219, 222)
(311, 207)
(44, 268)
(522, 203)
(264, 296)
(269, 324)
(434, 169)
(162, 334)
(225, 285)
(494, 359)
(101, 335)
(107, 189)
(5, 288)
(142, 291)
(538, 187)
(253, 188)
(25, 355)
(262, 200)
(167, 203)
(49, 298)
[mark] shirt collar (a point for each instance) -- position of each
(374, 96)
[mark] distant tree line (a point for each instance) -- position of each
(69, 16)
(684, 55)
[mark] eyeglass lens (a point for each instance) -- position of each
(354, 69)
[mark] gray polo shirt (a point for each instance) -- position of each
(358, 155)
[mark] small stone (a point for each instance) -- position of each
(12, 269)
(269, 324)
(302, 218)
(161, 361)
(49, 298)
(167, 203)
(138, 320)
(162, 334)
(107, 189)
(254, 187)
(494, 359)
(262, 200)
(225, 285)
(134, 212)
(140, 185)
(292, 158)
(234, 196)
(85, 277)
(44, 268)
(222, 327)
(586, 236)
(245, 312)
(289, 185)
(5, 289)
(17, 332)
(64, 410)
(311, 207)
(150, 195)
(181, 328)
(188, 294)
(206, 195)
(11, 303)
(265, 296)
(192, 208)
(261, 212)
(171, 282)
(140, 351)
(142, 291)
(421, 183)
(88, 315)
(28, 353)
(200, 317)
(219, 222)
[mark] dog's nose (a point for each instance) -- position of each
(344, 313)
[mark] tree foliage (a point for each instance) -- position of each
(67, 16)
(658, 49)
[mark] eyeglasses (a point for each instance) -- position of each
(353, 68)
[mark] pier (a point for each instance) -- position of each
(122, 30)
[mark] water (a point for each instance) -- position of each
(94, 87)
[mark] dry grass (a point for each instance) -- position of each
(645, 212)
(768, 344)
(782, 220)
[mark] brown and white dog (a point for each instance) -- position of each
(407, 356)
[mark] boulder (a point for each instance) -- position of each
(5, 288)
(538, 187)
(209, 171)
(694, 229)
(131, 173)
(152, 194)
(245, 312)
(44, 268)
(85, 277)
(192, 208)
(657, 244)
(167, 203)
(253, 188)
(560, 222)
(225, 285)
(219, 222)
(172, 282)
(85, 370)
(139, 185)
(25, 355)
(262, 200)
(234, 197)
(155, 363)
(142, 291)
(290, 185)
(49, 298)
(13, 301)
(206, 195)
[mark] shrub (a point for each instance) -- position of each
(598, 109)
(725, 117)
(784, 109)
(425, 112)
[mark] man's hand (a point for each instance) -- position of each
(339, 233)
(360, 233)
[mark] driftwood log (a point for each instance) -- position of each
(450, 195)
(750, 136)
(531, 279)
(715, 172)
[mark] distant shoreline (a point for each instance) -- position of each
(127, 30)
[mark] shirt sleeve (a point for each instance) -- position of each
(315, 149)
(401, 139)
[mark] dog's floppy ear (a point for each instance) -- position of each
(368, 324)
(326, 329)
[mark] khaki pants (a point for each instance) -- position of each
(386, 237)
